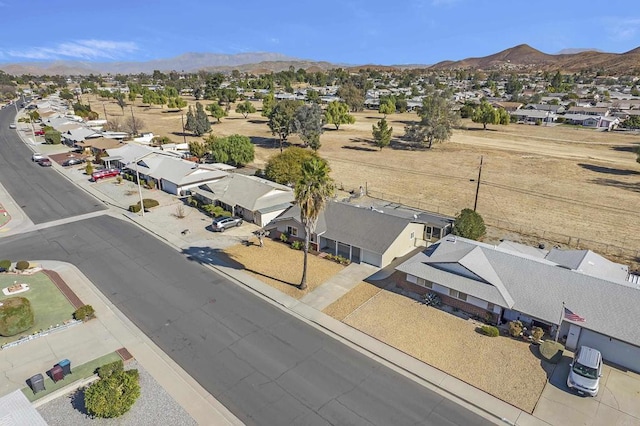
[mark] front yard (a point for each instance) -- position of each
(506, 368)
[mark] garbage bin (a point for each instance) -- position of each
(56, 373)
(66, 366)
(36, 383)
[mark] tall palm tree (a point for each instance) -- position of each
(311, 192)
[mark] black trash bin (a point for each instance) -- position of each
(36, 383)
(65, 364)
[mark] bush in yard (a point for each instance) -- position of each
(114, 395)
(551, 351)
(110, 368)
(84, 313)
(21, 265)
(469, 224)
(16, 316)
(490, 330)
(515, 328)
(147, 202)
(537, 333)
(296, 245)
(284, 237)
(6, 264)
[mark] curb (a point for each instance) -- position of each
(65, 390)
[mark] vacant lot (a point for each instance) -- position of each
(561, 180)
(502, 366)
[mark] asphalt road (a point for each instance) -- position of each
(264, 365)
(43, 194)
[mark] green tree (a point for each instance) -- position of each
(382, 133)
(114, 395)
(66, 95)
(308, 123)
(52, 137)
(177, 103)
(121, 102)
(337, 113)
(202, 120)
(631, 122)
(245, 108)
(212, 85)
(216, 111)
(352, 96)
(469, 224)
(268, 103)
(285, 167)
(313, 96)
(282, 118)
(485, 113)
(387, 106)
(436, 121)
(236, 150)
(198, 149)
(311, 191)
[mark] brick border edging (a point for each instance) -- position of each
(64, 288)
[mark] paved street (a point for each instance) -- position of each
(262, 363)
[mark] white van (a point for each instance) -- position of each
(586, 370)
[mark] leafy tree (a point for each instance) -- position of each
(469, 224)
(485, 113)
(198, 149)
(282, 118)
(268, 103)
(245, 108)
(313, 96)
(308, 123)
(212, 85)
(382, 133)
(216, 111)
(66, 95)
(632, 122)
(352, 96)
(198, 122)
(337, 113)
(436, 121)
(114, 395)
(236, 150)
(176, 102)
(121, 102)
(88, 169)
(285, 167)
(513, 86)
(387, 106)
(132, 96)
(312, 190)
(160, 140)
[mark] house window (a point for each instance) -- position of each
(458, 294)
(292, 232)
(412, 236)
(428, 231)
(490, 307)
(425, 283)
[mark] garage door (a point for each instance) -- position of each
(612, 350)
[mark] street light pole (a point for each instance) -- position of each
(475, 203)
(139, 188)
(184, 135)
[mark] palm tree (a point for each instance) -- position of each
(311, 193)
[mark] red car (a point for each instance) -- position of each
(102, 174)
(39, 133)
(45, 162)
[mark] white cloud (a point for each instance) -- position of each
(624, 28)
(78, 49)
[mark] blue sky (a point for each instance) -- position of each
(339, 31)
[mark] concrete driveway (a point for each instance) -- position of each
(617, 403)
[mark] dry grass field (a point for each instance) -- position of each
(546, 181)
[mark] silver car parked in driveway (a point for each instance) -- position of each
(585, 372)
(221, 223)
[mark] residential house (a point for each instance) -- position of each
(97, 146)
(601, 112)
(367, 235)
(507, 106)
(534, 116)
(511, 281)
(254, 199)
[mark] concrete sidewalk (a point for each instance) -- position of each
(338, 285)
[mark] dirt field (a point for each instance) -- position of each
(560, 181)
(502, 366)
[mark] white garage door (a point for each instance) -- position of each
(612, 350)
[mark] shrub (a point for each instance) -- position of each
(537, 333)
(110, 368)
(297, 245)
(551, 351)
(119, 179)
(16, 316)
(6, 264)
(114, 395)
(490, 331)
(147, 202)
(21, 265)
(88, 169)
(151, 183)
(515, 328)
(84, 313)
(284, 237)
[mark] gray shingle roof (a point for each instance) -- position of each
(250, 192)
(538, 286)
(16, 410)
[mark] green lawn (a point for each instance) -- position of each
(4, 216)
(50, 306)
(77, 373)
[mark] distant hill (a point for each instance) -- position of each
(572, 50)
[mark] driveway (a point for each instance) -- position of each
(617, 403)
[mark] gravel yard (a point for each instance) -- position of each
(504, 367)
(348, 303)
(280, 266)
(154, 407)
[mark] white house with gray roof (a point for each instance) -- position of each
(507, 283)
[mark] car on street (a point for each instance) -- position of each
(221, 223)
(37, 156)
(12, 126)
(585, 371)
(44, 162)
(39, 133)
(103, 174)
(73, 161)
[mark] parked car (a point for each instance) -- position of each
(221, 223)
(39, 133)
(37, 156)
(44, 162)
(73, 161)
(585, 372)
(12, 126)
(103, 174)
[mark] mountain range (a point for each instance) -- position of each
(522, 57)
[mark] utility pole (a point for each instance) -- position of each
(133, 123)
(105, 111)
(184, 135)
(475, 203)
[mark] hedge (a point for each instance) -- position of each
(6, 264)
(110, 368)
(84, 313)
(21, 265)
(16, 316)
(490, 331)
(147, 202)
(114, 395)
